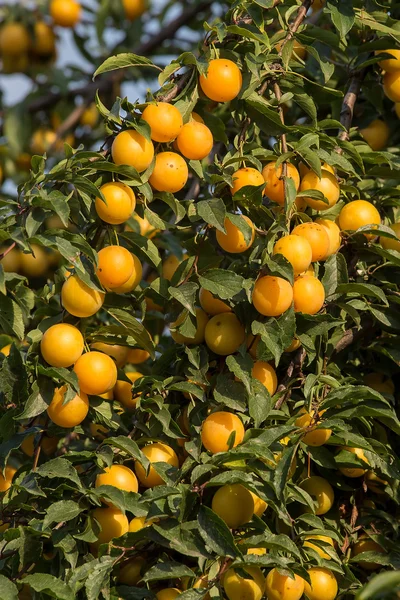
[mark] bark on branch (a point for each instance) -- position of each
(293, 371)
(301, 15)
(353, 334)
(347, 111)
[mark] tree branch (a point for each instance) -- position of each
(144, 49)
(278, 95)
(301, 15)
(347, 111)
(352, 335)
(181, 82)
(3, 254)
(293, 370)
(69, 123)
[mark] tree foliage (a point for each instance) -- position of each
(312, 85)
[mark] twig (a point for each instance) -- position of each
(181, 82)
(293, 370)
(7, 250)
(353, 335)
(69, 123)
(278, 95)
(145, 49)
(301, 15)
(347, 111)
(39, 446)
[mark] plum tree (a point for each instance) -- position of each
(199, 290)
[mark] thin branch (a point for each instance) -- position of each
(181, 83)
(69, 123)
(3, 254)
(39, 446)
(301, 15)
(347, 111)
(143, 49)
(293, 371)
(278, 95)
(352, 335)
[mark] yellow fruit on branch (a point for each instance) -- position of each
(223, 80)
(165, 121)
(376, 134)
(266, 374)
(115, 266)
(233, 241)
(118, 476)
(70, 414)
(217, 428)
(308, 295)
(120, 203)
(224, 334)
(297, 250)
(283, 587)
(123, 390)
(323, 584)
(316, 436)
(132, 149)
(358, 213)
(272, 296)
(96, 373)
(156, 453)
(273, 177)
(65, 13)
(327, 184)
(170, 173)
(234, 504)
(354, 471)
(6, 479)
(79, 299)
(130, 572)
(390, 244)
(250, 587)
(366, 544)
(113, 524)
(318, 238)
(14, 39)
(321, 491)
(61, 345)
(245, 177)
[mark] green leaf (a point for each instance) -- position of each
(134, 328)
(65, 510)
(335, 273)
(222, 283)
(216, 533)
(384, 583)
(212, 212)
(144, 246)
(11, 317)
(128, 446)
(342, 15)
(266, 118)
(50, 585)
(8, 589)
(59, 468)
(185, 294)
(364, 289)
(121, 61)
(98, 581)
(167, 570)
